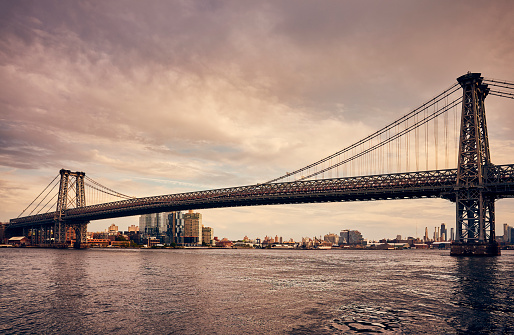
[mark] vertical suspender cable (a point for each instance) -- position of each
(446, 136)
(426, 141)
(436, 139)
(406, 151)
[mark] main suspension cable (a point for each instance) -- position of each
(109, 191)
(386, 129)
(394, 137)
(39, 196)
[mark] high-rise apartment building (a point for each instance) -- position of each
(193, 228)
(508, 233)
(352, 237)
(147, 225)
(332, 238)
(154, 225)
(112, 230)
(207, 235)
(176, 228)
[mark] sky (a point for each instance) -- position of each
(161, 97)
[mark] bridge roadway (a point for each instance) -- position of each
(412, 185)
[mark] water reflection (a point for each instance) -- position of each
(253, 291)
(68, 303)
(475, 295)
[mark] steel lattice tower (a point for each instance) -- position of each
(65, 201)
(475, 206)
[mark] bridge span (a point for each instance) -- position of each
(413, 185)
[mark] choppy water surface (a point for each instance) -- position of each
(99, 291)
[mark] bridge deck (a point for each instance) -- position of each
(425, 184)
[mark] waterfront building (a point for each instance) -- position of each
(307, 243)
(154, 225)
(70, 236)
(112, 230)
(97, 235)
(98, 242)
(332, 238)
(175, 230)
(147, 225)
(192, 228)
(3, 226)
(224, 243)
(352, 237)
(508, 234)
(207, 235)
(19, 241)
(133, 229)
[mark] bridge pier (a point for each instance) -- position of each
(63, 234)
(80, 229)
(475, 249)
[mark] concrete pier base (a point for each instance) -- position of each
(475, 249)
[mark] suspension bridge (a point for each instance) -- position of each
(438, 150)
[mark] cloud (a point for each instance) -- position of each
(225, 93)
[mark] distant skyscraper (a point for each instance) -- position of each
(507, 233)
(154, 225)
(175, 231)
(426, 234)
(436, 234)
(444, 232)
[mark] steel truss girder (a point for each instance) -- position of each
(441, 183)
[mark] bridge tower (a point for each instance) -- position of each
(74, 182)
(475, 206)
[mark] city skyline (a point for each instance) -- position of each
(434, 233)
(173, 98)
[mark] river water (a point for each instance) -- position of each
(235, 291)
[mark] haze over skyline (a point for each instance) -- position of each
(162, 97)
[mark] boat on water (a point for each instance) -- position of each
(281, 246)
(324, 247)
